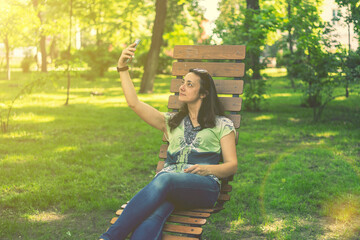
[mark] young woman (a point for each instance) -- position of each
(199, 135)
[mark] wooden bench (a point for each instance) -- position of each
(187, 225)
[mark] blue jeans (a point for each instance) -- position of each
(147, 211)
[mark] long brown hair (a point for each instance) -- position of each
(210, 106)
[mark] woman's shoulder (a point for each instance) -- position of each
(223, 120)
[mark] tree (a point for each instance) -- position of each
(352, 16)
(177, 30)
(69, 53)
(42, 42)
(151, 64)
(353, 7)
(249, 25)
(312, 62)
(15, 23)
(104, 25)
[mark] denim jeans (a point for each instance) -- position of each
(148, 210)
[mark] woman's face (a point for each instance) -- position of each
(189, 89)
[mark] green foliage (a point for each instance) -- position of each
(353, 15)
(254, 94)
(99, 59)
(240, 25)
(311, 61)
(17, 23)
(352, 67)
(5, 114)
(248, 27)
(319, 75)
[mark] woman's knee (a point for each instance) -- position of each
(163, 180)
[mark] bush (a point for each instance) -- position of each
(254, 93)
(99, 59)
(26, 63)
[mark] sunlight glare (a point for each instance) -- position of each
(326, 134)
(264, 117)
(291, 119)
(281, 95)
(45, 217)
(344, 216)
(31, 117)
(342, 98)
(66, 149)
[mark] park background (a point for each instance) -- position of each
(71, 151)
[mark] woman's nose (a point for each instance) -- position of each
(182, 87)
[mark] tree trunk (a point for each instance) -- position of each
(53, 49)
(152, 60)
(42, 42)
(69, 55)
(7, 49)
(290, 40)
(43, 53)
(254, 55)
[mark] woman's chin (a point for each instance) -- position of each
(181, 99)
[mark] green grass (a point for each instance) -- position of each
(64, 170)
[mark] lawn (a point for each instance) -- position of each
(65, 170)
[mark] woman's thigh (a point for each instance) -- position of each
(188, 190)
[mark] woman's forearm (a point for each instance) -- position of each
(128, 89)
(223, 170)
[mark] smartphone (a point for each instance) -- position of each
(137, 41)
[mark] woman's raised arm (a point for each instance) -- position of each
(146, 112)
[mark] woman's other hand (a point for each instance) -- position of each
(126, 54)
(202, 170)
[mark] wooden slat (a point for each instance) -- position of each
(236, 52)
(222, 86)
(174, 237)
(187, 220)
(235, 118)
(237, 138)
(232, 104)
(218, 209)
(226, 188)
(191, 214)
(204, 210)
(216, 69)
(160, 166)
(113, 220)
(162, 154)
(224, 197)
(118, 212)
(182, 229)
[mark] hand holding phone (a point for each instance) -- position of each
(137, 41)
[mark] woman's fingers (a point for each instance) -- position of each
(193, 169)
(126, 54)
(197, 169)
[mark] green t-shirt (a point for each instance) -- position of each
(189, 146)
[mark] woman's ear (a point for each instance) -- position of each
(204, 95)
